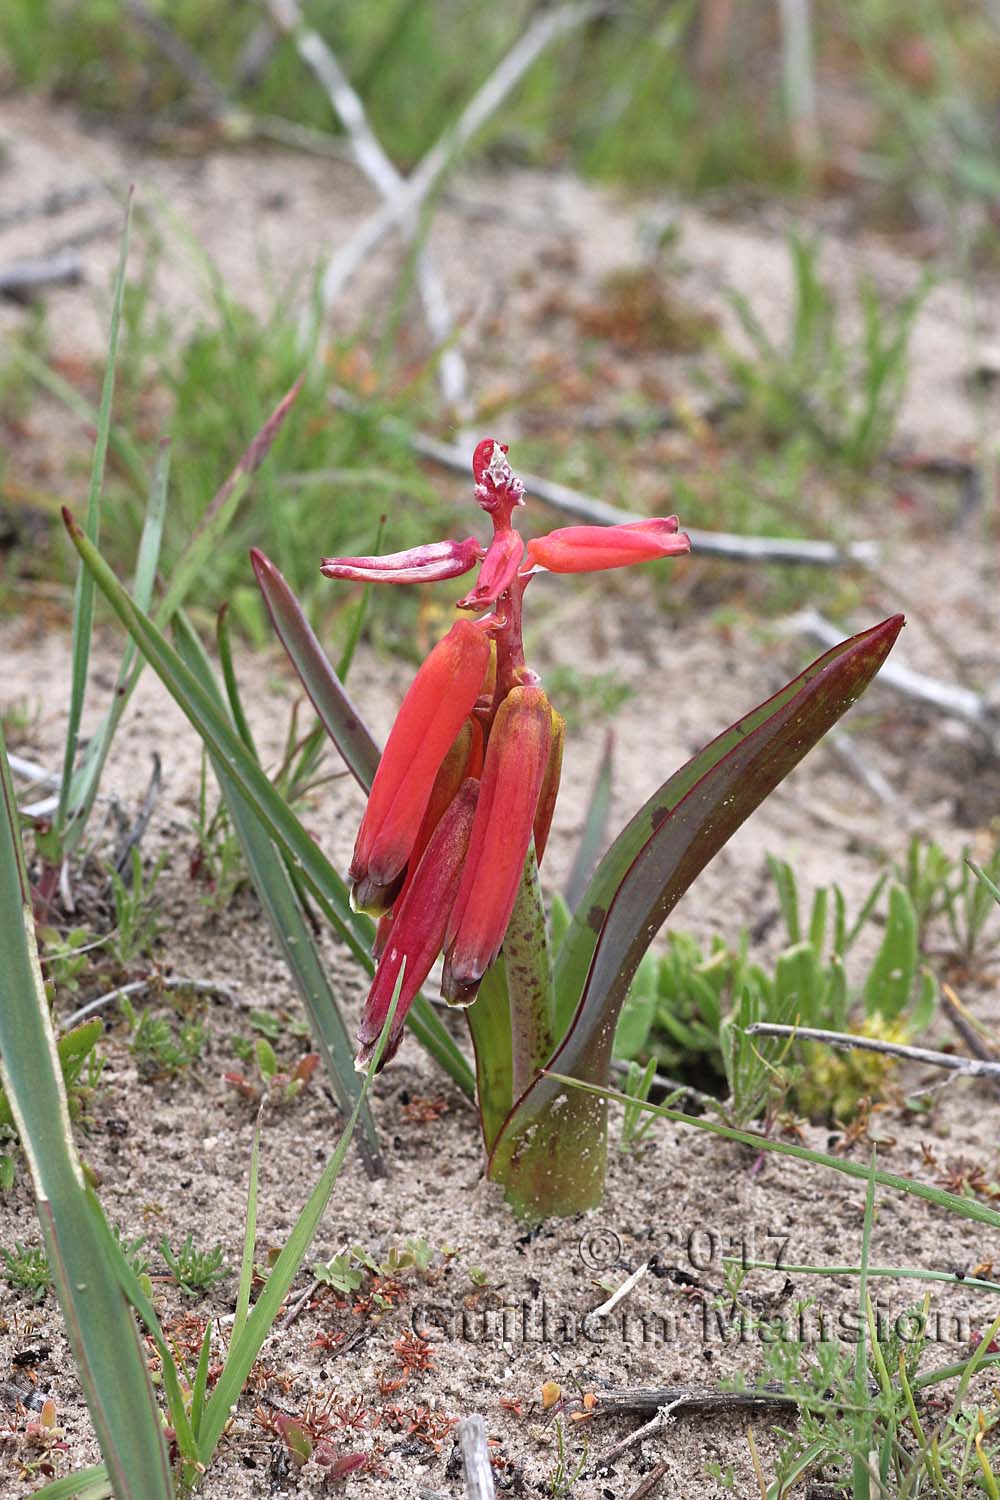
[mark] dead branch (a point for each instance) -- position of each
(50, 205)
(646, 1486)
(974, 1067)
(24, 280)
(476, 1458)
(665, 1401)
(133, 838)
(156, 983)
(420, 184)
(966, 1028)
(846, 748)
(383, 174)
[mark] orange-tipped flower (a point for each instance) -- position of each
(517, 757)
(419, 926)
(441, 697)
(590, 549)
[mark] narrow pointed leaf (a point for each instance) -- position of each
(213, 725)
(289, 927)
(340, 718)
(244, 1350)
(87, 779)
(224, 645)
(83, 604)
(185, 573)
(109, 1357)
(644, 874)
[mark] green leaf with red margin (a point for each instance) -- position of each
(550, 1153)
(328, 696)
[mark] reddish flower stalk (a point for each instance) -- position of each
(470, 772)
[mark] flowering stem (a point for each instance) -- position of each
(511, 668)
(529, 980)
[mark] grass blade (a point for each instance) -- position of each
(244, 1350)
(200, 1384)
(358, 617)
(109, 1357)
(859, 1463)
(250, 1237)
(83, 602)
(88, 776)
(965, 1208)
(219, 512)
(211, 722)
(85, 1484)
(224, 644)
(291, 931)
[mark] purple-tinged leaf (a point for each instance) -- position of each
(341, 720)
(550, 1153)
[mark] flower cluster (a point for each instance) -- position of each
(470, 772)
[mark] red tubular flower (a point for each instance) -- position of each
(441, 697)
(420, 922)
(589, 549)
(462, 760)
(427, 564)
(517, 757)
(470, 773)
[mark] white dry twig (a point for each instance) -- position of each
(476, 1459)
(381, 171)
(620, 1293)
(156, 981)
(974, 1067)
(420, 184)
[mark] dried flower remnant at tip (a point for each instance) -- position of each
(470, 772)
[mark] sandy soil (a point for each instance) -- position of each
(172, 1156)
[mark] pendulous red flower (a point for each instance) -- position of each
(517, 757)
(440, 699)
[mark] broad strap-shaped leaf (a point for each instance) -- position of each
(341, 720)
(109, 1358)
(644, 874)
